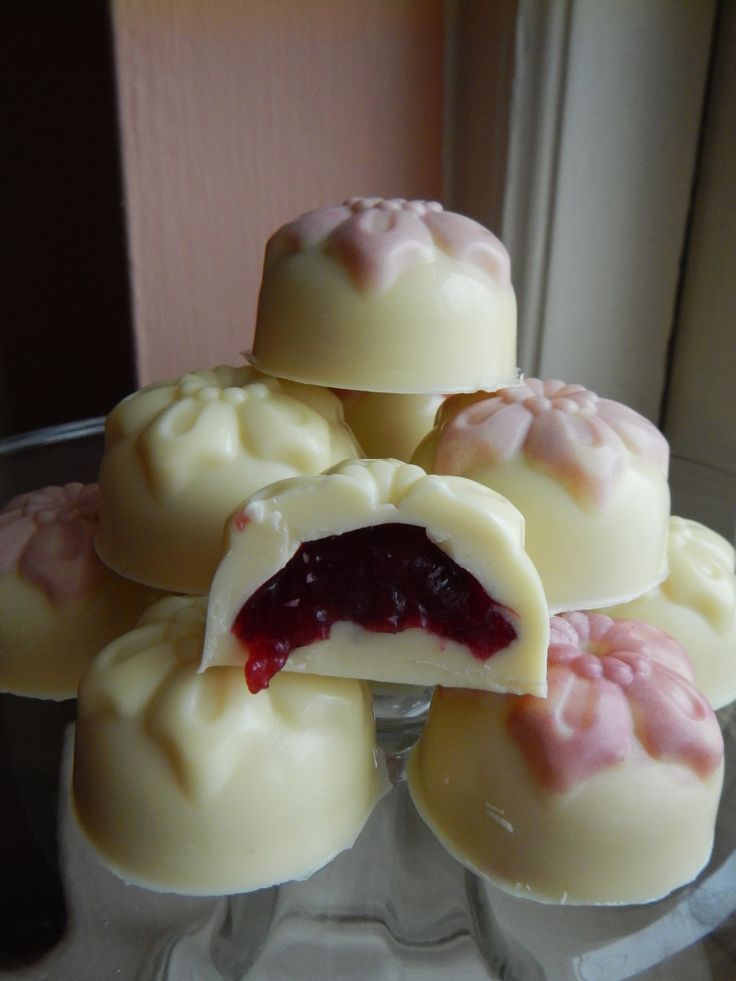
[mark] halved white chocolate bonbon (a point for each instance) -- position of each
(179, 456)
(387, 296)
(187, 782)
(588, 474)
(606, 792)
(477, 529)
(696, 603)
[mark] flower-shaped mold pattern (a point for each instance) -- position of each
(46, 537)
(211, 418)
(376, 240)
(701, 576)
(181, 455)
(611, 683)
(564, 430)
(186, 782)
(696, 603)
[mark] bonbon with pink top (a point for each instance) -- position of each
(58, 603)
(605, 792)
(589, 475)
(388, 296)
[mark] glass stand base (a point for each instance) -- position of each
(395, 907)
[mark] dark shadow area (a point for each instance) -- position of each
(65, 341)
(32, 907)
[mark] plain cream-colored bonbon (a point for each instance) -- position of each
(696, 603)
(388, 296)
(180, 456)
(389, 425)
(477, 528)
(628, 834)
(186, 782)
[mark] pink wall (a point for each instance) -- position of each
(235, 116)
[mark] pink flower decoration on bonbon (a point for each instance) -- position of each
(376, 239)
(566, 431)
(611, 684)
(47, 537)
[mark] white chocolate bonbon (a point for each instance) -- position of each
(59, 605)
(388, 425)
(472, 526)
(186, 782)
(180, 456)
(389, 296)
(588, 474)
(606, 792)
(696, 603)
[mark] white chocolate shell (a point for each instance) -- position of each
(180, 456)
(588, 474)
(187, 782)
(388, 425)
(606, 792)
(387, 296)
(696, 603)
(59, 605)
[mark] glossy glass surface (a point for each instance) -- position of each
(396, 907)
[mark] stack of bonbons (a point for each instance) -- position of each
(313, 556)
(394, 305)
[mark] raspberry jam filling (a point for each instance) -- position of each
(386, 578)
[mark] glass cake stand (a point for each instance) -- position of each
(396, 907)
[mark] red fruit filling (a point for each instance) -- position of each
(387, 578)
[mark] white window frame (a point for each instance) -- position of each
(602, 141)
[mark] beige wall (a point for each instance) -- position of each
(235, 116)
